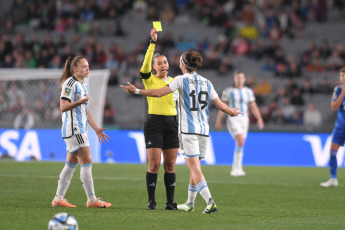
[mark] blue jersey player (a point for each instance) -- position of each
(338, 103)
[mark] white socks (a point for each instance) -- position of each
(204, 191)
(87, 181)
(238, 156)
(65, 180)
(192, 193)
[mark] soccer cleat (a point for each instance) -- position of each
(237, 172)
(62, 203)
(211, 207)
(185, 208)
(170, 206)
(333, 182)
(98, 204)
(151, 205)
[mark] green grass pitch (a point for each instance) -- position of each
(267, 198)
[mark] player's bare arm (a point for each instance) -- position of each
(255, 109)
(146, 92)
(336, 104)
(224, 108)
(66, 105)
(99, 131)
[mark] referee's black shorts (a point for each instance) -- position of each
(161, 132)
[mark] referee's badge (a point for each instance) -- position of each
(67, 92)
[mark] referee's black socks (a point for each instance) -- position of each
(151, 182)
(169, 181)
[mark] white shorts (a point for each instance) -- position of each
(238, 125)
(192, 145)
(76, 141)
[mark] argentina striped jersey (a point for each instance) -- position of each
(195, 94)
(240, 98)
(74, 121)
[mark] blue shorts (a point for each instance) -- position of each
(338, 136)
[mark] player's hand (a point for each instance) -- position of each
(129, 89)
(101, 135)
(234, 112)
(260, 124)
(83, 100)
(343, 91)
(153, 34)
(218, 125)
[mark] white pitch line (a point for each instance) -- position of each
(186, 181)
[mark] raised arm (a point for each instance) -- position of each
(145, 71)
(224, 108)
(336, 103)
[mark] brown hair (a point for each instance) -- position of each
(68, 70)
(342, 70)
(192, 60)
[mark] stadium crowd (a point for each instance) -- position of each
(252, 29)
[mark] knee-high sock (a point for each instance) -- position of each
(169, 181)
(333, 164)
(192, 193)
(151, 181)
(65, 180)
(238, 156)
(87, 181)
(204, 191)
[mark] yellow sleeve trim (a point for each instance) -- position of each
(146, 68)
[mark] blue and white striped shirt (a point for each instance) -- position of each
(74, 121)
(195, 94)
(240, 98)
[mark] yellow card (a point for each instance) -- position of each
(157, 25)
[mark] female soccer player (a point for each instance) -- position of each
(338, 102)
(161, 128)
(239, 96)
(195, 94)
(75, 116)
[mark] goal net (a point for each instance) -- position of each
(29, 106)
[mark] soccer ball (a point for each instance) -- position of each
(63, 221)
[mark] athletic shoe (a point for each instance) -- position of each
(98, 204)
(170, 206)
(211, 207)
(62, 203)
(185, 207)
(333, 182)
(151, 205)
(237, 172)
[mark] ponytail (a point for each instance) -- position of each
(68, 70)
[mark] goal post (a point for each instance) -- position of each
(29, 100)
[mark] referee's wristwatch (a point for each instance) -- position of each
(153, 42)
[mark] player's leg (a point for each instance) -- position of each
(333, 165)
(237, 169)
(169, 160)
(85, 161)
(64, 181)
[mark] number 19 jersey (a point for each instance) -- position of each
(195, 93)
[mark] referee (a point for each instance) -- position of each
(161, 127)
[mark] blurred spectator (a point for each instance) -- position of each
(307, 88)
(296, 98)
(324, 86)
(312, 117)
(264, 87)
(25, 119)
(109, 113)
